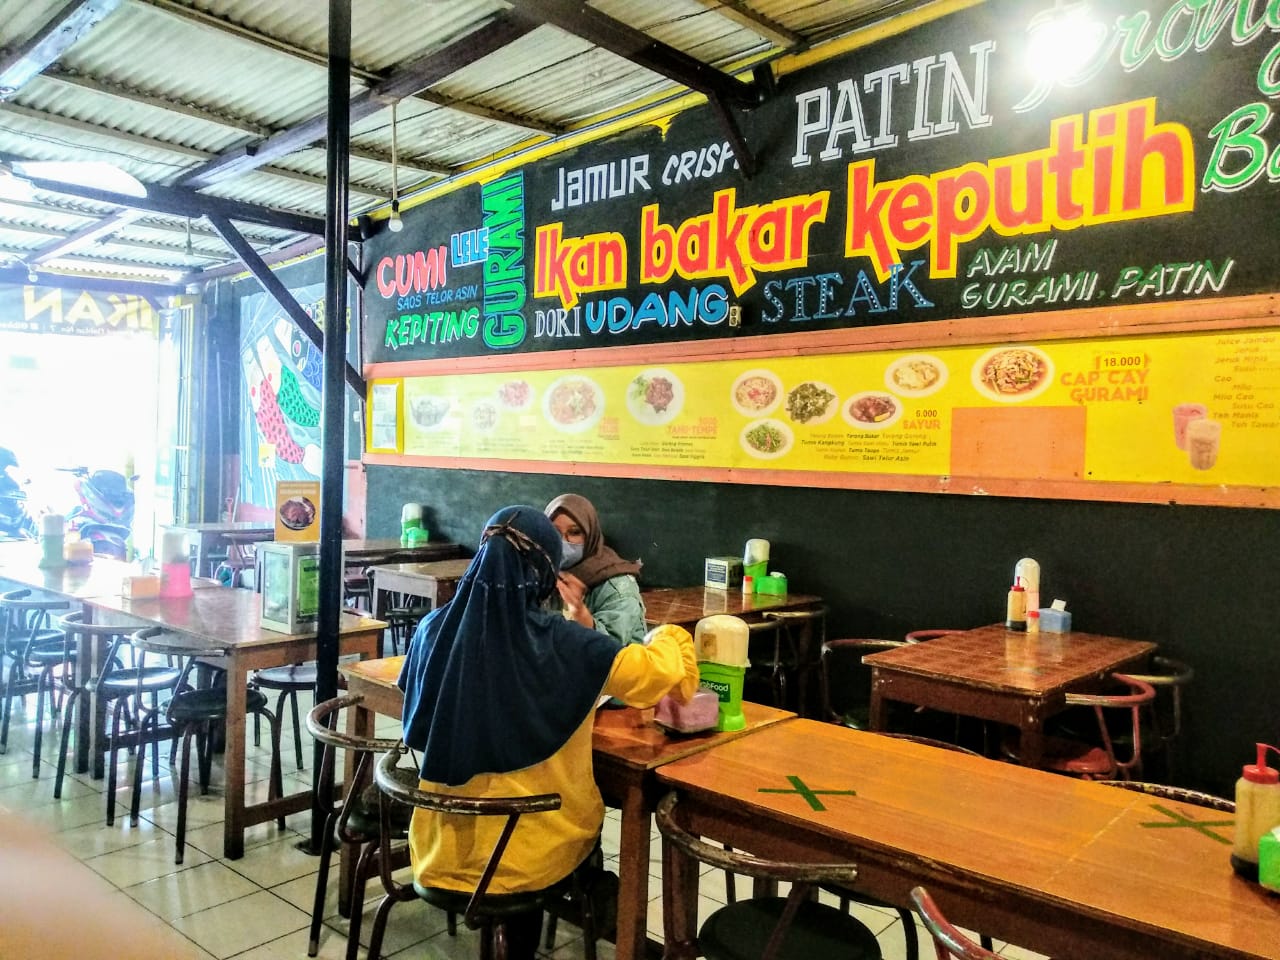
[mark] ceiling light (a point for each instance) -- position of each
(32, 277)
(395, 224)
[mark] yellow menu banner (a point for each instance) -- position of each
(1193, 409)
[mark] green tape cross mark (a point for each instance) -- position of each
(810, 795)
(1177, 819)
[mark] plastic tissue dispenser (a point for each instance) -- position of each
(720, 643)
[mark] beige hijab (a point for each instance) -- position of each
(599, 562)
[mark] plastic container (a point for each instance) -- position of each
(748, 584)
(702, 712)
(1033, 621)
(1257, 811)
(1029, 571)
(720, 644)
(1015, 617)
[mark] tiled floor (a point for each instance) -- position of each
(259, 907)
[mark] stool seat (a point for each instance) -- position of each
(738, 931)
(123, 682)
(193, 706)
(48, 654)
(495, 906)
(285, 678)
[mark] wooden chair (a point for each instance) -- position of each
(1099, 761)
(846, 683)
(195, 713)
(353, 820)
(1181, 794)
(948, 940)
(480, 910)
(794, 927)
(40, 659)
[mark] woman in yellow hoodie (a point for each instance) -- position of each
(500, 697)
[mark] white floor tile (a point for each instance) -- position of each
(191, 891)
(145, 861)
(239, 925)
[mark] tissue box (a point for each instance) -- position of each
(137, 588)
(1055, 621)
(702, 712)
(1269, 860)
(722, 573)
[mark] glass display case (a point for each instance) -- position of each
(290, 586)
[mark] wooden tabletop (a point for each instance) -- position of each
(224, 617)
(227, 526)
(998, 659)
(388, 550)
(687, 605)
(1062, 866)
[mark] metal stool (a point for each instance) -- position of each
(290, 681)
(39, 658)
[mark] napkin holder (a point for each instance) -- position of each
(290, 586)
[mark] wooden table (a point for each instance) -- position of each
(687, 605)
(625, 753)
(999, 675)
(433, 582)
(1065, 867)
(103, 577)
(209, 535)
(229, 619)
(365, 553)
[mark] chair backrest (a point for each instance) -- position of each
(400, 784)
(929, 742)
(116, 635)
(1140, 694)
(1181, 794)
(1169, 676)
(803, 877)
(158, 641)
(25, 614)
(948, 941)
(920, 636)
(846, 683)
(322, 724)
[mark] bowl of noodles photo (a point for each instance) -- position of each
(573, 404)
(1012, 374)
(916, 375)
(871, 410)
(756, 392)
(766, 439)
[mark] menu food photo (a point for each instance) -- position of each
(1191, 409)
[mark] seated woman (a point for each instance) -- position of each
(598, 588)
(499, 700)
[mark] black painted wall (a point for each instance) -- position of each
(1199, 581)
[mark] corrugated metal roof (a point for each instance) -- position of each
(163, 88)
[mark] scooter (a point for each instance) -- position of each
(104, 515)
(16, 523)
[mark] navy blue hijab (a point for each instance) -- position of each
(494, 682)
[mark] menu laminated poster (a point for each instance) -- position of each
(1187, 409)
(298, 511)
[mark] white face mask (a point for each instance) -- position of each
(572, 555)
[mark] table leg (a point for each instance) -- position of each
(1031, 745)
(633, 875)
(233, 760)
(876, 714)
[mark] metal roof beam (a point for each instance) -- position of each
(405, 80)
(577, 18)
(86, 235)
(753, 20)
(19, 276)
(275, 286)
(223, 120)
(369, 77)
(59, 33)
(178, 202)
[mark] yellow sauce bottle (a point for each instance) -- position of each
(1015, 617)
(1257, 811)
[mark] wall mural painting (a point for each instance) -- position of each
(281, 373)
(945, 173)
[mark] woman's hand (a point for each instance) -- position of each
(573, 594)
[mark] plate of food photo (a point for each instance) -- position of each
(766, 439)
(655, 397)
(297, 513)
(871, 410)
(573, 404)
(756, 392)
(429, 412)
(484, 415)
(811, 403)
(1011, 374)
(515, 395)
(916, 375)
